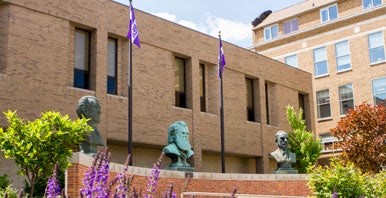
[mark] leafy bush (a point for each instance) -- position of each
(363, 132)
(4, 181)
(36, 146)
(347, 180)
(11, 193)
(303, 143)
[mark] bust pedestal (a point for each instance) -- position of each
(285, 171)
(181, 168)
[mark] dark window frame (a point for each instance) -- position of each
(202, 86)
(180, 96)
(112, 81)
(250, 95)
(81, 76)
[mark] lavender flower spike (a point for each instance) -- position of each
(53, 187)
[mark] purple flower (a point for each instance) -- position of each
(335, 194)
(95, 179)
(53, 186)
(154, 177)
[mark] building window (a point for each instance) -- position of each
(367, 4)
(112, 66)
(329, 13)
(329, 143)
(82, 59)
(202, 88)
(323, 104)
(292, 60)
(267, 103)
(271, 32)
(320, 61)
(180, 83)
(250, 100)
(346, 98)
(376, 47)
(379, 90)
(290, 26)
(342, 52)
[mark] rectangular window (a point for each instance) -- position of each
(346, 98)
(323, 104)
(329, 13)
(290, 26)
(271, 32)
(112, 66)
(292, 60)
(376, 47)
(329, 143)
(379, 90)
(180, 83)
(250, 100)
(202, 88)
(82, 59)
(320, 61)
(342, 52)
(367, 4)
(267, 103)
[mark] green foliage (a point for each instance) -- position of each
(36, 146)
(4, 181)
(348, 180)
(301, 142)
(363, 132)
(10, 193)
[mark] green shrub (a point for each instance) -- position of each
(348, 180)
(4, 181)
(11, 193)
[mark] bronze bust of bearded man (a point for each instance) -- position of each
(179, 148)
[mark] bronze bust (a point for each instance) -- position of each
(179, 148)
(88, 106)
(282, 155)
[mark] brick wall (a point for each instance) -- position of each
(255, 184)
(38, 44)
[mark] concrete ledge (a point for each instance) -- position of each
(86, 160)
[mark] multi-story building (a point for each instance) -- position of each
(54, 52)
(341, 42)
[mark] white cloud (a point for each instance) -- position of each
(167, 16)
(231, 31)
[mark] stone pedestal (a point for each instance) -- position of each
(285, 171)
(185, 169)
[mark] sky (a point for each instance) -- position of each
(232, 18)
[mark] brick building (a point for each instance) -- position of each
(341, 43)
(54, 52)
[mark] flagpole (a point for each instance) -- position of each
(221, 109)
(130, 101)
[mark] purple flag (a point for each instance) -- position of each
(133, 30)
(221, 59)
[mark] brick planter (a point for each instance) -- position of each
(251, 184)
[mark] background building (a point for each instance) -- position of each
(341, 43)
(54, 52)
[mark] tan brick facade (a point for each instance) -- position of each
(354, 24)
(36, 75)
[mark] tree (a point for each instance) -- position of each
(362, 133)
(303, 143)
(36, 146)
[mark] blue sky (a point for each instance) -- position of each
(232, 18)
